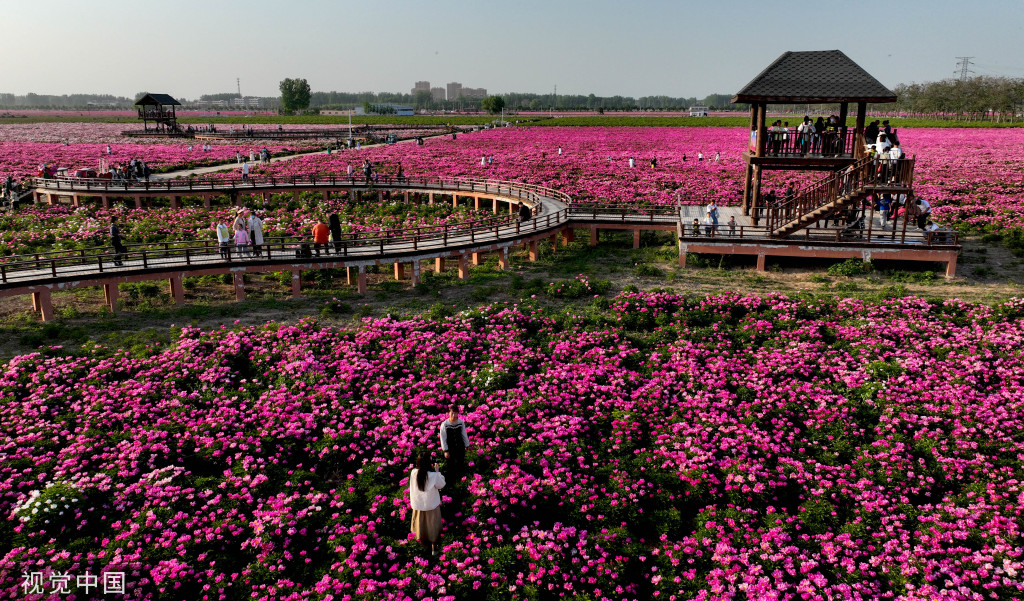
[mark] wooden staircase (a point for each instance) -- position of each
(838, 192)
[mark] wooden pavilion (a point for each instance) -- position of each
(802, 78)
(159, 108)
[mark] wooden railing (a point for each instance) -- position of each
(824, 144)
(185, 254)
(864, 176)
(849, 234)
(257, 183)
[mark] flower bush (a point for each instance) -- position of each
(648, 446)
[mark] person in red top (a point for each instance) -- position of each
(320, 235)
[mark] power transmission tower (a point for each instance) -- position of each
(963, 62)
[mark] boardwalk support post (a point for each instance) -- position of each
(239, 287)
(296, 283)
(361, 280)
(110, 293)
(176, 289)
(42, 301)
(463, 267)
(438, 264)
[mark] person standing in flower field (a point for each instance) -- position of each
(425, 482)
(454, 441)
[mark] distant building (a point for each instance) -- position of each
(454, 90)
(437, 94)
(400, 110)
(421, 86)
(474, 92)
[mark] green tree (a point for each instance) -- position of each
(295, 94)
(493, 104)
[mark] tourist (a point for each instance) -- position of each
(425, 501)
(454, 441)
(335, 226)
(238, 157)
(223, 239)
(400, 175)
(490, 159)
(350, 170)
(732, 225)
(559, 151)
(718, 155)
(654, 162)
(709, 224)
(256, 231)
(115, 241)
(696, 227)
(632, 162)
(483, 161)
(884, 204)
(245, 172)
(700, 156)
(367, 170)
(806, 131)
(524, 212)
(241, 240)
(819, 128)
(923, 212)
(712, 210)
(321, 233)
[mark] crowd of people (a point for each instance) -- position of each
(245, 234)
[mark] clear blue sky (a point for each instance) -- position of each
(631, 48)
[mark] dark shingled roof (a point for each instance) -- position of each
(816, 76)
(161, 99)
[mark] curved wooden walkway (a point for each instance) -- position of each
(42, 274)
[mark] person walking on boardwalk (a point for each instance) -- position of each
(425, 482)
(335, 227)
(320, 234)
(454, 441)
(224, 240)
(245, 171)
(115, 241)
(256, 232)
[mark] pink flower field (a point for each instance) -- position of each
(645, 447)
(975, 177)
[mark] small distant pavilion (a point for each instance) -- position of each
(802, 78)
(158, 109)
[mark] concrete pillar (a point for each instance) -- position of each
(361, 281)
(106, 202)
(682, 254)
(175, 202)
(138, 202)
(415, 273)
(568, 235)
(494, 205)
(380, 195)
(295, 194)
(593, 236)
(74, 201)
(533, 250)
(206, 202)
(405, 196)
(399, 271)
(476, 258)
(239, 287)
(512, 208)
(503, 259)
(636, 237)
(348, 276)
(430, 198)
(51, 199)
(439, 265)
(951, 266)
(296, 283)
(463, 267)
(327, 195)
(455, 200)
(760, 261)
(554, 242)
(42, 301)
(266, 197)
(177, 291)
(476, 203)
(110, 293)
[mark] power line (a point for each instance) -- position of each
(963, 62)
